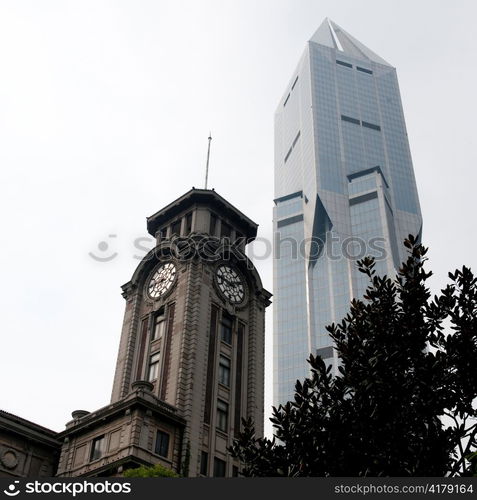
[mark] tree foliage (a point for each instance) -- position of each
(157, 470)
(403, 402)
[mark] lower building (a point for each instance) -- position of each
(27, 449)
(190, 365)
(137, 430)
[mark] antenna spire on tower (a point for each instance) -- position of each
(207, 164)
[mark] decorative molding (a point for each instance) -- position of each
(9, 459)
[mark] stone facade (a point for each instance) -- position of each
(26, 449)
(127, 430)
(191, 356)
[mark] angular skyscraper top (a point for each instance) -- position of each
(331, 35)
(344, 188)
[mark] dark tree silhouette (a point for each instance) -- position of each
(403, 401)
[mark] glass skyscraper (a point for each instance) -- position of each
(344, 188)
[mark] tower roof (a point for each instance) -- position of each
(332, 35)
(203, 197)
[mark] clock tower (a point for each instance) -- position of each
(190, 364)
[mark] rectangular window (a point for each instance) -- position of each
(219, 468)
(176, 228)
(364, 70)
(213, 224)
(154, 366)
(226, 328)
(222, 415)
(342, 63)
(98, 448)
(349, 119)
(235, 471)
(162, 444)
(224, 371)
(371, 125)
(226, 230)
(163, 233)
(290, 220)
(142, 348)
(159, 326)
(188, 223)
(204, 463)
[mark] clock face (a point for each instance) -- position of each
(162, 280)
(230, 284)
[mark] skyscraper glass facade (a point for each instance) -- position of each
(344, 188)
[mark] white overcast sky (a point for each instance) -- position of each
(105, 109)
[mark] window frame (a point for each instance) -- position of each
(154, 361)
(227, 338)
(225, 368)
(101, 450)
(223, 464)
(160, 314)
(222, 415)
(204, 463)
(160, 436)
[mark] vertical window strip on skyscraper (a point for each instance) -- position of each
(289, 93)
(294, 83)
(292, 146)
(288, 154)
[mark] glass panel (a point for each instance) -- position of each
(222, 415)
(219, 468)
(162, 444)
(224, 371)
(98, 448)
(154, 367)
(204, 460)
(159, 327)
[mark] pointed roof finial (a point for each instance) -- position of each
(207, 164)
